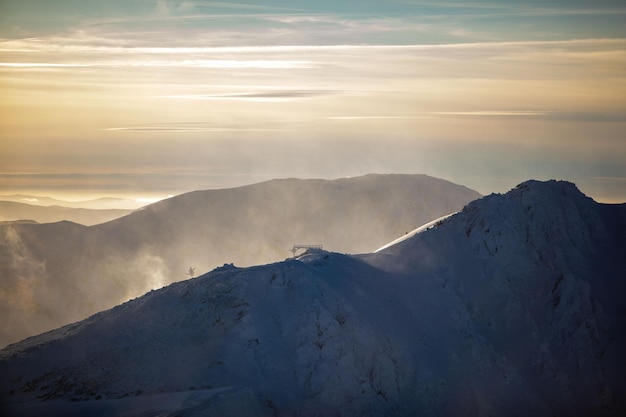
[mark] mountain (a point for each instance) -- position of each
(105, 203)
(12, 211)
(514, 306)
(58, 273)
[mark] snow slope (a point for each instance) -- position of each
(412, 233)
(513, 306)
(228, 401)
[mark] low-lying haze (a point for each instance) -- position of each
(155, 97)
(42, 266)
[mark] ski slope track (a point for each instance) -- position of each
(514, 306)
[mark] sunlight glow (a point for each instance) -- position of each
(288, 90)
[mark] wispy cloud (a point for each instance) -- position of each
(40, 65)
(80, 44)
(495, 113)
(240, 6)
(391, 118)
(263, 96)
(602, 57)
(510, 9)
(192, 129)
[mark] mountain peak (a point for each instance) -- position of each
(551, 187)
(540, 204)
(536, 217)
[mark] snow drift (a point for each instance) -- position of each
(514, 306)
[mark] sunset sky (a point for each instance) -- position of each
(152, 97)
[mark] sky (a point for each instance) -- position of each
(150, 98)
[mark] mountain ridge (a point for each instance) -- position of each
(14, 211)
(92, 266)
(102, 203)
(500, 309)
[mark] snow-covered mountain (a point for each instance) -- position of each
(514, 306)
(58, 273)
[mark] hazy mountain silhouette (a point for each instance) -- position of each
(512, 307)
(12, 211)
(58, 273)
(104, 203)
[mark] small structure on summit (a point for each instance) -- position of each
(306, 247)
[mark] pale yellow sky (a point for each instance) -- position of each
(97, 106)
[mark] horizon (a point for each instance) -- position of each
(143, 198)
(160, 97)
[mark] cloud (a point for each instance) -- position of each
(485, 9)
(239, 6)
(495, 113)
(101, 51)
(352, 118)
(566, 116)
(40, 65)
(162, 8)
(185, 6)
(193, 129)
(167, 8)
(263, 96)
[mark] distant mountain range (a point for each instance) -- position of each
(514, 306)
(104, 203)
(12, 211)
(58, 273)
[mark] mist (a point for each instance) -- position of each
(58, 273)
